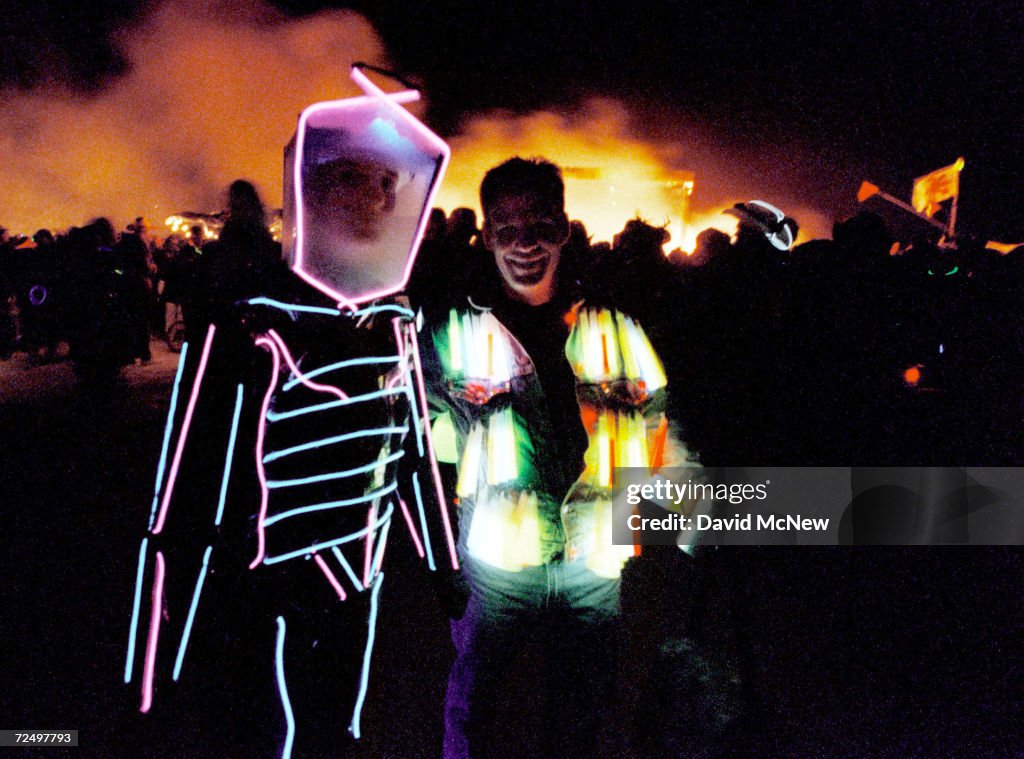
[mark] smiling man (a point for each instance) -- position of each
(525, 227)
(547, 395)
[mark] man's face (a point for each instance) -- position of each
(352, 197)
(526, 234)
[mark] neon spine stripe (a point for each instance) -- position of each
(156, 614)
(363, 361)
(136, 603)
(379, 555)
(185, 424)
(192, 614)
(321, 546)
(412, 527)
(167, 435)
(330, 576)
(442, 504)
(331, 441)
(278, 416)
(229, 458)
(365, 677)
(274, 484)
(282, 689)
(423, 521)
(261, 432)
(316, 386)
(330, 505)
(348, 569)
(293, 306)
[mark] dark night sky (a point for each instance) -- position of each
(861, 90)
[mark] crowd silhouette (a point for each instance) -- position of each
(855, 350)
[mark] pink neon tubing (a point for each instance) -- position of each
(412, 528)
(302, 377)
(373, 92)
(186, 422)
(261, 542)
(430, 448)
(330, 576)
(156, 613)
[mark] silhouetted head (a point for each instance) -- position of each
(244, 204)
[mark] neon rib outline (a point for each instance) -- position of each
(362, 361)
(332, 441)
(330, 505)
(327, 544)
(275, 484)
(279, 416)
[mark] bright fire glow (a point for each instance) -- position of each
(611, 175)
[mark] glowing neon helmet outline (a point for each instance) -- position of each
(402, 123)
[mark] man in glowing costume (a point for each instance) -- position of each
(278, 477)
(548, 395)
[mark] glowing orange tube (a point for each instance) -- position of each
(156, 614)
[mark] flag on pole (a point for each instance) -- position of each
(937, 186)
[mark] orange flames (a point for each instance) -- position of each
(611, 175)
(212, 95)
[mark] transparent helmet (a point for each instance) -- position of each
(360, 177)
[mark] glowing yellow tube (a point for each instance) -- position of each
(469, 467)
(650, 366)
(632, 368)
(501, 449)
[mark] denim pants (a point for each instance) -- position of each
(573, 613)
